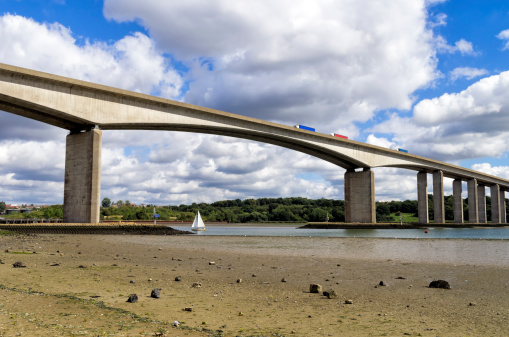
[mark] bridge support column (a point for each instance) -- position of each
(422, 197)
(495, 204)
(438, 197)
(503, 216)
(360, 196)
(481, 197)
(473, 209)
(82, 185)
(457, 192)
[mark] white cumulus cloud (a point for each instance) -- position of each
(457, 126)
(323, 63)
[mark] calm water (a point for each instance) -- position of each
(433, 233)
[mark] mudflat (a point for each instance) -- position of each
(71, 285)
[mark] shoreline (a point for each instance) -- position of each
(80, 283)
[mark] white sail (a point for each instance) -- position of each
(198, 224)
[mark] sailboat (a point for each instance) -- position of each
(198, 224)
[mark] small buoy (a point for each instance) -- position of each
(426, 232)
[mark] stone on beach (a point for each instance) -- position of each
(315, 288)
(18, 265)
(440, 284)
(133, 298)
(330, 294)
(156, 293)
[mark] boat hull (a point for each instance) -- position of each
(198, 229)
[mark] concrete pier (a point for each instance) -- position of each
(82, 186)
(457, 192)
(503, 216)
(422, 197)
(360, 196)
(473, 203)
(438, 197)
(481, 200)
(495, 203)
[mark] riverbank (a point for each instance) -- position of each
(247, 286)
(98, 229)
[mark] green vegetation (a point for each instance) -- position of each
(51, 212)
(262, 210)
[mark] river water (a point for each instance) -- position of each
(500, 233)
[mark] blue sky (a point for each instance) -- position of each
(429, 76)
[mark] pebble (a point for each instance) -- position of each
(196, 285)
(212, 263)
(283, 280)
(348, 302)
(239, 280)
(178, 278)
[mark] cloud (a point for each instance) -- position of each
(438, 20)
(467, 72)
(327, 64)
(504, 35)
(132, 63)
(462, 46)
(209, 168)
(465, 125)
(499, 171)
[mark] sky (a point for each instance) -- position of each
(429, 76)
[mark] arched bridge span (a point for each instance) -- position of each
(86, 108)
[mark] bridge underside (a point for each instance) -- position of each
(83, 107)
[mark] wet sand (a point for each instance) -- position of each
(77, 284)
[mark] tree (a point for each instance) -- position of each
(106, 202)
(3, 207)
(127, 203)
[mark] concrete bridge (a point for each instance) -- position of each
(85, 109)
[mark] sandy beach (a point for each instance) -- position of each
(75, 285)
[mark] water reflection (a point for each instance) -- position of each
(432, 233)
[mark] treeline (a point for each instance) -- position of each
(261, 210)
(238, 211)
(295, 209)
